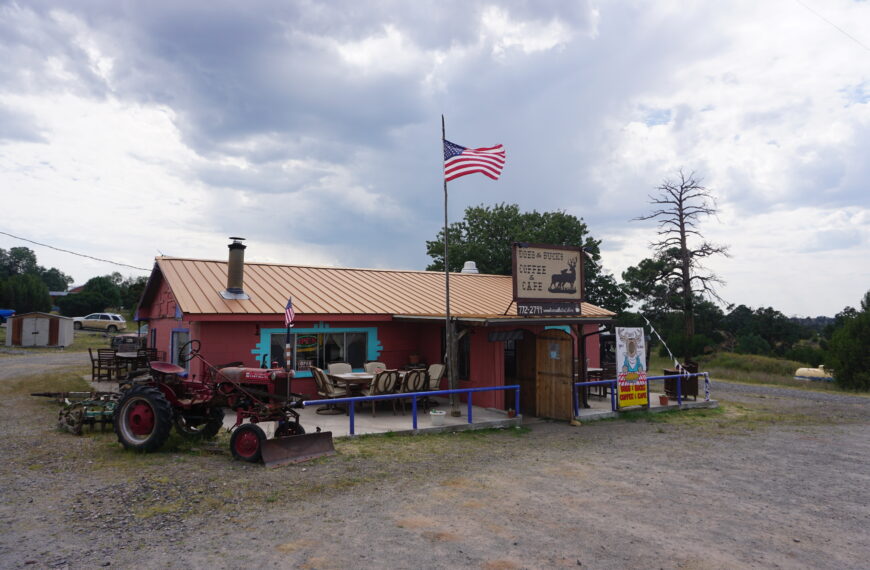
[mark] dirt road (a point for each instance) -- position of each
(775, 478)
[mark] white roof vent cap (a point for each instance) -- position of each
(470, 267)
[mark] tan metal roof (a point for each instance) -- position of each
(196, 285)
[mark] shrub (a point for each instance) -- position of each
(848, 354)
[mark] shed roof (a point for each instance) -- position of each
(197, 283)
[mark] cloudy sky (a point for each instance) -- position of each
(313, 129)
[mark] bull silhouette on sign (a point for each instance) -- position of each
(564, 282)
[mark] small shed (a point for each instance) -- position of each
(39, 329)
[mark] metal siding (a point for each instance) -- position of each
(341, 291)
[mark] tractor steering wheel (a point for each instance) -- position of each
(188, 351)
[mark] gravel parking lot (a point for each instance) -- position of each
(774, 478)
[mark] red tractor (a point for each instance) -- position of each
(149, 405)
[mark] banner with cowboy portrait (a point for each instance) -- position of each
(631, 367)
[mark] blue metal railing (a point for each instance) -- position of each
(612, 383)
(414, 395)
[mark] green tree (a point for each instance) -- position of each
(24, 293)
(486, 234)
(847, 350)
(675, 277)
(17, 261)
(55, 279)
(81, 304)
(131, 291)
(22, 261)
(107, 288)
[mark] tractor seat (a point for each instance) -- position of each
(166, 367)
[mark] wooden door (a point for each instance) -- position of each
(555, 360)
(526, 374)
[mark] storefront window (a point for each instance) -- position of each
(320, 349)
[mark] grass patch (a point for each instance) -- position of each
(752, 363)
(67, 380)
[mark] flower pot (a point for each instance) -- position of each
(414, 359)
(437, 417)
(511, 414)
(663, 400)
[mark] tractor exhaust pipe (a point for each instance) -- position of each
(236, 271)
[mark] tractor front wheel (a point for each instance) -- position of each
(247, 442)
(205, 426)
(143, 418)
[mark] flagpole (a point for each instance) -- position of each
(448, 326)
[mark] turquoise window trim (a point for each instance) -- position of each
(564, 328)
(264, 347)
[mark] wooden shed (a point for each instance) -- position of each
(39, 329)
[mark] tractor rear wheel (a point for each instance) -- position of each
(247, 442)
(289, 428)
(143, 418)
(200, 426)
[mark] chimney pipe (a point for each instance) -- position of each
(236, 270)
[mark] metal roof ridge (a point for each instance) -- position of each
(332, 267)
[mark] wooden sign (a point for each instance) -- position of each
(548, 279)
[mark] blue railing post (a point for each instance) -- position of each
(517, 400)
(613, 396)
(414, 410)
(350, 411)
(469, 406)
(679, 390)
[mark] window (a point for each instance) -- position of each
(105, 318)
(179, 339)
(319, 349)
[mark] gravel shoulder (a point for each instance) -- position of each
(774, 478)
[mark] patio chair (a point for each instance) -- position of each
(384, 383)
(144, 356)
(101, 368)
(327, 391)
(415, 381)
(436, 373)
(374, 367)
(340, 368)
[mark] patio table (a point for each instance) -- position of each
(354, 381)
(124, 362)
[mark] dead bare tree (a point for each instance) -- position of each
(680, 206)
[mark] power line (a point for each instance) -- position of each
(835, 26)
(74, 253)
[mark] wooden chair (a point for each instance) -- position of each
(98, 371)
(415, 381)
(105, 368)
(384, 383)
(144, 356)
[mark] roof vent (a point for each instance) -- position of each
(236, 271)
(470, 267)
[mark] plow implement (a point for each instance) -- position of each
(297, 448)
(82, 408)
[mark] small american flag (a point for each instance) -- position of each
(289, 315)
(459, 161)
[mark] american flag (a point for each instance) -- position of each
(289, 315)
(459, 161)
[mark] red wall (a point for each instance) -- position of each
(225, 340)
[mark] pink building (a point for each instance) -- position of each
(236, 310)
